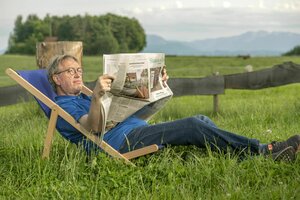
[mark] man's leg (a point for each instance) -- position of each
(198, 130)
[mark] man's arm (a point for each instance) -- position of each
(93, 120)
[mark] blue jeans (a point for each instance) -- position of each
(198, 130)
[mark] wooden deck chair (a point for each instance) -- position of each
(36, 82)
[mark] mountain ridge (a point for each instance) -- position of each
(259, 43)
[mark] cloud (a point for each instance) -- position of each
(179, 4)
(226, 4)
(261, 4)
(137, 10)
(210, 22)
(180, 20)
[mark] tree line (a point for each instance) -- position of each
(293, 52)
(108, 33)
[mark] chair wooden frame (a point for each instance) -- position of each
(56, 111)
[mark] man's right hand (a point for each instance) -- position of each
(103, 84)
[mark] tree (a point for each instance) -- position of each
(27, 34)
(100, 34)
(98, 37)
(294, 52)
(128, 32)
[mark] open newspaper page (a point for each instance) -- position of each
(138, 87)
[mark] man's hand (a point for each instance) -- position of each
(103, 84)
(165, 76)
(93, 121)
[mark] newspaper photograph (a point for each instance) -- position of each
(138, 87)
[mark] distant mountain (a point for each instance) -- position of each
(253, 43)
(2, 51)
(158, 44)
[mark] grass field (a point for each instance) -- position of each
(174, 173)
(178, 66)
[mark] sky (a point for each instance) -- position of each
(183, 20)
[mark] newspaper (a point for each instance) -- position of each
(138, 87)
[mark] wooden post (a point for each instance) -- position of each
(216, 103)
(46, 50)
(215, 98)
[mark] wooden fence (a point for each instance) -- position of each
(278, 75)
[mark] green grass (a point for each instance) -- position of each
(174, 173)
(193, 66)
(181, 66)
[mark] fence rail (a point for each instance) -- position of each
(282, 74)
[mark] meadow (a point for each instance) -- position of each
(173, 173)
(178, 66)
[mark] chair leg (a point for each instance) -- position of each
(50, 133)
(140, 152)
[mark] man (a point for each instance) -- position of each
(65, 74)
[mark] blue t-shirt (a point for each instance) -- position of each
(77, 106)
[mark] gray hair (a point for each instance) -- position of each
(53, 67)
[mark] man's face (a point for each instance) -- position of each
(69, 78)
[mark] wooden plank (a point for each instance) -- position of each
(278, 75)
(13, 95)
(142, 151)
(50, 132)
(87, 91)
(201, 86)
(197, 86)
(215, 103)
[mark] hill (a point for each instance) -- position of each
(261, 43)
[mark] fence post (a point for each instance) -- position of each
(215, 98)
(216, 103)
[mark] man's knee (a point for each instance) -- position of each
(205, 119)
(202, 117)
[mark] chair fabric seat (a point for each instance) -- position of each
(39, 79)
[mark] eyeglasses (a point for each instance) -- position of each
(71, 71)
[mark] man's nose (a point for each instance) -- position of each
(77, 74)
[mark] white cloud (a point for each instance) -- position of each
(209, 23)
(179, 4)
(180, 20)
(162, 8)
(137, 10)
(212, 3)
(261, 4)
(150, 10)
(226, 4)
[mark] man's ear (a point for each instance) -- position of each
(56, 79)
